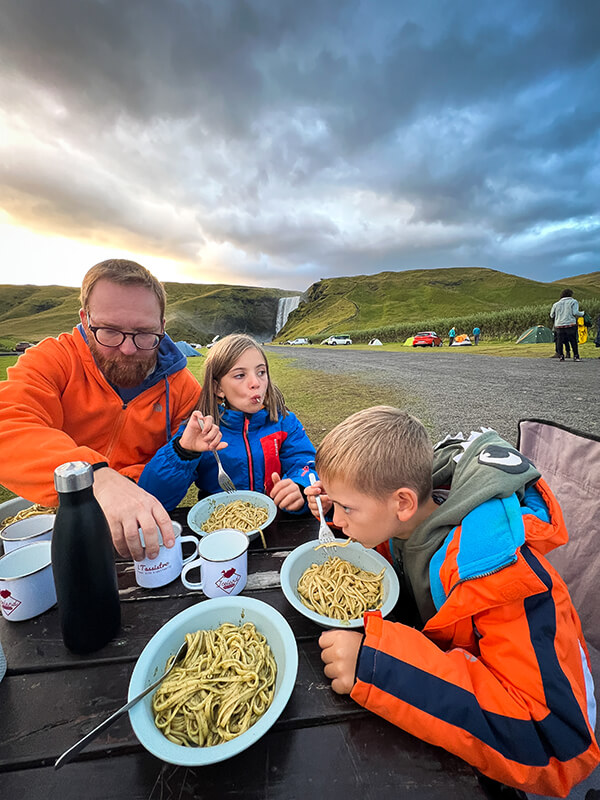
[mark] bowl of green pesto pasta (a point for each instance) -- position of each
(335, 584)
(201, 714)
(243, 510)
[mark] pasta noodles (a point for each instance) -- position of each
(340, 590)
(222, 687)
(334, 544)
(241, 515)
(32, 511)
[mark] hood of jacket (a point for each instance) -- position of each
(469, 472)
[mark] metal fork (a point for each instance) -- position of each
(325, 535)
(225, 481)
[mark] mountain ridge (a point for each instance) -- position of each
(366, 303)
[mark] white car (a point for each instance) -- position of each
(338, 339)
(298, 341)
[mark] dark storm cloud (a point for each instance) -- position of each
(303, 139)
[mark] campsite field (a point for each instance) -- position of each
(450, 389)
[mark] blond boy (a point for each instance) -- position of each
(493, 667)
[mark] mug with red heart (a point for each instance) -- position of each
(223, 563)
(26, 582)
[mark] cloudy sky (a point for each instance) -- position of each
(275, 142)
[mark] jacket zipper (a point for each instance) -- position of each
(248, 454)
(482, 575)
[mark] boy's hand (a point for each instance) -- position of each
(311, 492)
(286, 494)
(201, 434)
(339, 651)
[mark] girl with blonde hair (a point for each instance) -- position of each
(263, 447)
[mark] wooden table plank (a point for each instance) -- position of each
(362, 758)
(72, 702)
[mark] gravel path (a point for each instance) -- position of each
(462, 391)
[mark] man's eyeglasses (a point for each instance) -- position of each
(109, 337)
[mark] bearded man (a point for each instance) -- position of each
(109, 393)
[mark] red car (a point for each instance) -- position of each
(427, 339)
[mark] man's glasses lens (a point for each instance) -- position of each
(111, 338)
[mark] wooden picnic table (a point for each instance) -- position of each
(322, 745)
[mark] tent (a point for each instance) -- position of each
(375, 341)
(461, 340)
(539, 333)
(187, 349)
(408, 342)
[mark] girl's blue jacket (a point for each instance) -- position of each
(257, 447)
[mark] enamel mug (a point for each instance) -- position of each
(223, 563)
(27, 531)
(166, 567)
(26, 582)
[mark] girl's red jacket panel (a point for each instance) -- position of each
(58, 407)
(500, 674)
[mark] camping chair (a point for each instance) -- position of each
(569, 462)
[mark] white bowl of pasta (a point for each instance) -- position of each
(207, 617)
(326, 583)
(242, 510)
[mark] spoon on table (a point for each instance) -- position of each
(70, 754)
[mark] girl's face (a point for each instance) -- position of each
(244, 386)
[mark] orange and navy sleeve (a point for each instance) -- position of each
(521, 711)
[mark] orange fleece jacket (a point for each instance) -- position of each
(56, 406)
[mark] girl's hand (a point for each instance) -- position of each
(201, 434)
(339, 651)
(286, 494)
(311, 492)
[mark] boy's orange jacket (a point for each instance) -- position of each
(500, 674)
(57, 406)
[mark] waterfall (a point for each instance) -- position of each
(284, 308)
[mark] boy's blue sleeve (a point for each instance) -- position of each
(167, 476)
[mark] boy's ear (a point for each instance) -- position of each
(406, 502)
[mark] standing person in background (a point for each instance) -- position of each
(565, 313)
(109, 393)
(567, 346)
(476, 334)
(451, 336)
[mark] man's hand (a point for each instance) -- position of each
(201, 434)
(286, 494)
(311, 492)
(339, 651)
(127, 507)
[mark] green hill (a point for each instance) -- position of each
(391, 305)
(366, 305)
(195, 312)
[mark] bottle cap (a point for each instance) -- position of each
(73, 476)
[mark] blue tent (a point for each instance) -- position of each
(187, 349)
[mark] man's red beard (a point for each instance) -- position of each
(123, 371)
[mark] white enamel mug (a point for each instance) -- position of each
(166, 567)
(26, 582)
(27, 531)
(223, 563)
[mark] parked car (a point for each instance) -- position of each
(341, 338)
(426, 339)
(301, 340)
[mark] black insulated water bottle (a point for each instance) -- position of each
(83, 563)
